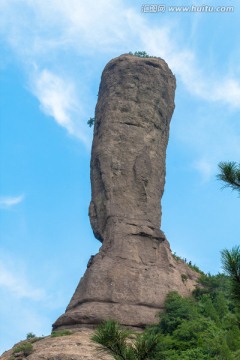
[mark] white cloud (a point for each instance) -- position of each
(19, 317)
(84, 27)
(16, 283)
(205, 167)
(86, 31)
(25, 306)
(185, 65)
(57, 97)
(228, 90)
(212, 136)
(93, 28)
(7, 202)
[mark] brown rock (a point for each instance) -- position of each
(77, 346)
(134, 270)
(135, 105)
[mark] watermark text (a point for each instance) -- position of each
(161, 8)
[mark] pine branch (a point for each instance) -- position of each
(231, 265)
(230, 174)
(146, 345)
(113, 340)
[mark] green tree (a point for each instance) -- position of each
(231, 265)
(177, 310)
(91, 121)
(230, 174)
(115, 341)
(141, 54)
(204, 327)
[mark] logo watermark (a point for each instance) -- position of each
(154, 8)
(161, 8)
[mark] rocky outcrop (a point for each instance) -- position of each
(77, 346)
(134, 270)
(135, 105)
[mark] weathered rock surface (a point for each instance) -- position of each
(134, 109)
(77, 346)
(134, 270)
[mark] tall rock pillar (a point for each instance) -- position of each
(134, 270)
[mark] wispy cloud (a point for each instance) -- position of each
(26, 306)
(70, 27)
(228, 90)
(74, 27)
(205, 167)
(57, 97)
(21, 303)
(7, 202)
(187, 67)
(212, 135)
(73, 30)
(16, 283)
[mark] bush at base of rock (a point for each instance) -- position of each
(26, 348)
(61, 333)
(204, 327)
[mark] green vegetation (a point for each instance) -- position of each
(91, 121)
(231, 266)
(203, 327)
(230, 174)
(195, 268)
(141, 54)
(26, 348)
(115, 341)
(189, 263)
(61, 333)
(184, 278)
(30, 336)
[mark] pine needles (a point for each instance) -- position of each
(230, 174)
(115, 341)
(231, 265)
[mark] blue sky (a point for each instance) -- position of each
(52, 56)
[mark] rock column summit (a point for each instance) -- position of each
(134, 269)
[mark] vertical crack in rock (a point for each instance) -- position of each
(134, 270)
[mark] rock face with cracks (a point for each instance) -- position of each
(134, 270)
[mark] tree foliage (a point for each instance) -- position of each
(25, 348)
(115, 341)
(231, 265)
(91, 121)
(203, 327)
(141, 54)
(230, 174)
